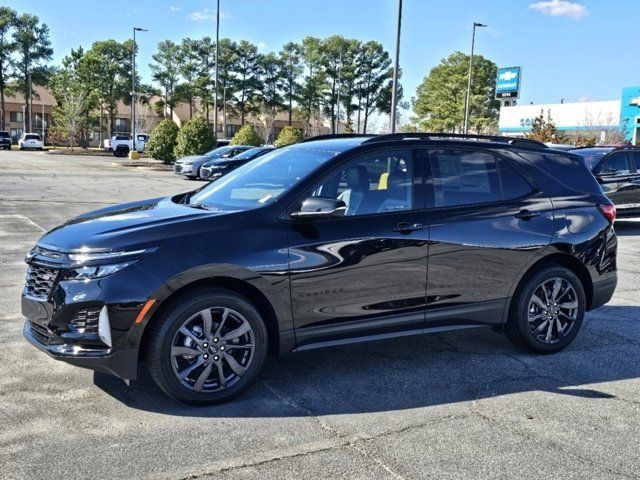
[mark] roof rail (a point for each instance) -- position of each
(524, 142)
(336, 135)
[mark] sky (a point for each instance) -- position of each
(577, 50)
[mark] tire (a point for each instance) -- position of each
(226, 378)
(539, 324)
(121, 152)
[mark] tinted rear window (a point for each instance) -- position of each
(568, 170)
(32, 137)
(4, 135)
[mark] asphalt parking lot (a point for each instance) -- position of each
(456, 405)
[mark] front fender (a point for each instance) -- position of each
(275, 289)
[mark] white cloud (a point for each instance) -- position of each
(561, 8)
(175, 9)
(206, 15)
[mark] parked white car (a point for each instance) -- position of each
(30, 140)
(120, 145)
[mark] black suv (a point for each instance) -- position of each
(326, 242)
(617, 169)
(5, 141)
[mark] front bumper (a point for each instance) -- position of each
(92, 323)
(180, 169)
(121, 363)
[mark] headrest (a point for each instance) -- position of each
(357, 178)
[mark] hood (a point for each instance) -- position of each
(124, 226)
(193, 159)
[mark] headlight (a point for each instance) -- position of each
(92, 273)
(88, 256)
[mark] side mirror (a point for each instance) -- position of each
(318, 207)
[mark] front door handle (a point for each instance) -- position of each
(406, 227)
(526, 215)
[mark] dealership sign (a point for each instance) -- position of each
(508, 83)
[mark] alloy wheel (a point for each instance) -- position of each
(553, 310)
(212, 350)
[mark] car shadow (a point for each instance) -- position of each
(414, 372)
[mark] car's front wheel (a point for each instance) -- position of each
(547, 311)
(208, 347)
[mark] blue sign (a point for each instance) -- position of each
(508, 83)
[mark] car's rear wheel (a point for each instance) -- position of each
(547, 311)
(208, 347)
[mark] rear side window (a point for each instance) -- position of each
(513, 184)
(615, 163)
(567, 169)
(464, 177)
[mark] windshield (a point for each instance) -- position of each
(592, 156)
(217, 152)
(4, 134)
(262, 181)
(249, 154)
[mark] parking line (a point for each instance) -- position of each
(23, 217)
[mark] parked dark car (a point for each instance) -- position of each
(326, 242)
(190, 166)
(214, 169)
(5, 141)
(617, 169)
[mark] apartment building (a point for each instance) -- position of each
(147, 117)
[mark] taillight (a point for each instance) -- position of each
(609, 211)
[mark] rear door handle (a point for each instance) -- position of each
(526, 215)
(406, 227)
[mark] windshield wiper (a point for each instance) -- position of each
(200, 206)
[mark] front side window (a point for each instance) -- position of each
(464, 177)
(376, 182)
(616, 163)
(262, 181)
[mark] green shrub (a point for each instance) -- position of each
(195, 138)
(247, 135)
(288, 136)
(163, 141)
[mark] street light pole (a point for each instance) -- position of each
(133, 88)
(215, 94)
(467, 101)
(396, 66)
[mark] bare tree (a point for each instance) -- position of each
(68, 115)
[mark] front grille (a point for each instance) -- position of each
(43, 334)
(86, 321)
(40, 281)
(177, 168)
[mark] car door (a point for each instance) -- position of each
(614, 173)
(487, 222)
(363, 273)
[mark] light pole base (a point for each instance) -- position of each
(133, 155)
